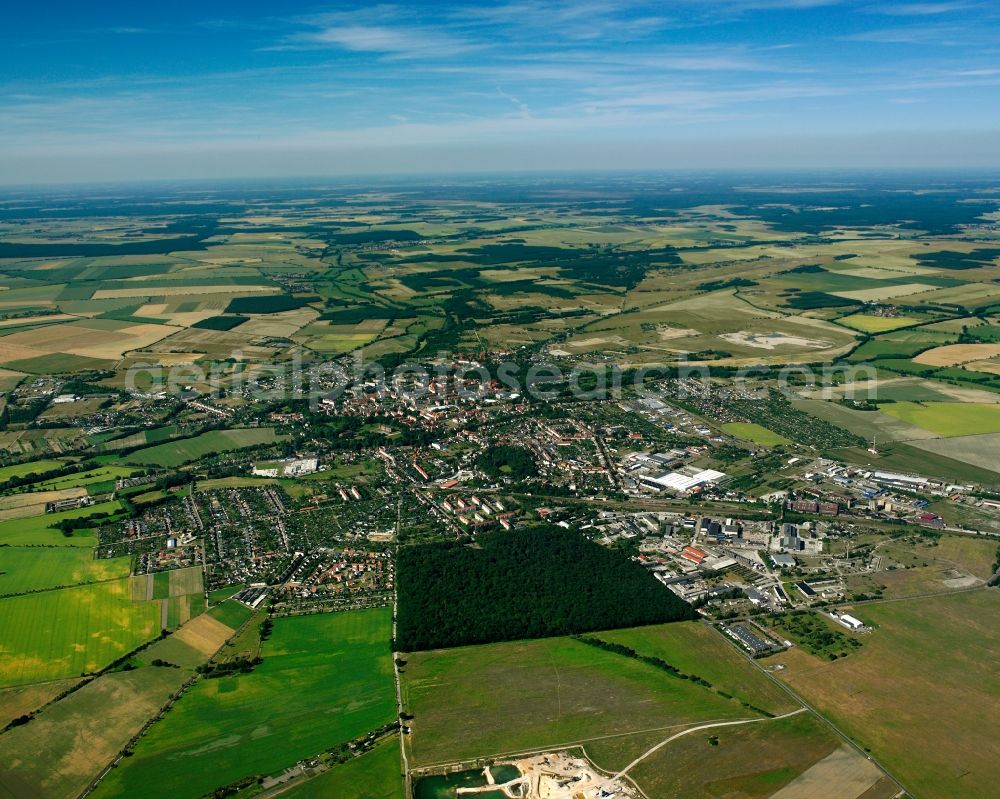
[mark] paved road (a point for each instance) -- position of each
(399, 705)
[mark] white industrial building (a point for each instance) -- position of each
(677, 481)
(849, 622)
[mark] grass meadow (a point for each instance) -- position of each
(749, 431)
(920, 694)
(479, 701)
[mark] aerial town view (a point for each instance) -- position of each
(418, 402)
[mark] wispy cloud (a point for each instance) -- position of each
(922, 9)
(915, 34)
(513, 73)
(405, 42)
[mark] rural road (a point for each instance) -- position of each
(682, 733)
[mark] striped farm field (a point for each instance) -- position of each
(51, 635)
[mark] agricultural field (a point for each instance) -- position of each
(227, 728)
(55, 634)
(696, 649)
(26, 569)
(23, 699)
(978, 450)
(928, 665)
(794, 757)
(868, 323)
(948, 418)
(212, 443)
(377, 774)
(38, 467)
(42, 529)
(45, 758)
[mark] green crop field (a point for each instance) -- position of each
(24, 569)
(176, 453)
(325, 679)
(232, 614)
(479, 701)
(920, 693)
(375, 775)
(88, 479)
(56, 634)
(34, 467)
(67, 744)
(948, 418)
(755, 433)
(40, 530)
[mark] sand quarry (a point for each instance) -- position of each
(556, 775)
(768, 341)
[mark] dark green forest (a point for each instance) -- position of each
(523, 584)
(507, 461)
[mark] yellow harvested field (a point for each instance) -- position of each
(879, 273)
(990, 367)
(845, 768)
(78, 339)
(884, 293)
(952, 354)
(868, 323)
(161, 310)
(19, 506)
(168, 291)
(25, 320)
(162, 358)
(278, 325)
(12, 351)
(204, 634)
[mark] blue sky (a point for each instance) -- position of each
(121, 90)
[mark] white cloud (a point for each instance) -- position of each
(921, 9)
(407, 42)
